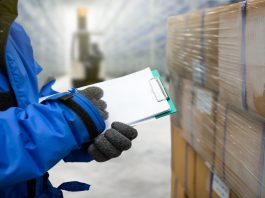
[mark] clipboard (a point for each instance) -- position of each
(136, 98)
(160, 90)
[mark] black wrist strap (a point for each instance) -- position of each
(81, 113)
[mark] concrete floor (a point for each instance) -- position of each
(142, 172)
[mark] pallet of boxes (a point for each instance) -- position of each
(216, 59)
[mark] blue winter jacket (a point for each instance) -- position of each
(33, 136)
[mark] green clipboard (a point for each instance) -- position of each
(173, 108)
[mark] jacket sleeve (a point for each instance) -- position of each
(34, 139)
(77, 155)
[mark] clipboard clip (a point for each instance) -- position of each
(158, 89)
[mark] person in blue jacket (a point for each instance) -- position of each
(35, 136)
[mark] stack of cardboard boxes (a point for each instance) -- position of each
(217, 63)
(191, 175)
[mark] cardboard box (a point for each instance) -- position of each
(230, 67)
(242, 60)
(191, 171)
(239, 150)
(178, 155)
(203, 177)
(198, 117)
(233, 194)
(191, 176)
(255, 59)
(174, 186)
(205, 183)
(193, 47)
(210, 48)
(183, 162)
(204, 122)
(187, 110)
(202, 48)
(177, 190)
(175, 43)
(175, 92)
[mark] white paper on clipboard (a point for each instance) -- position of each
(134, 98)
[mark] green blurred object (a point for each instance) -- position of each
(173, 108)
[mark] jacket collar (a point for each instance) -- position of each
(9, 8)
(8, 13)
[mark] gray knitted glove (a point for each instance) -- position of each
(94, 95)
(113, 142)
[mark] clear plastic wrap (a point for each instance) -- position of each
(217, 63)
(231, 140)
(222, 49)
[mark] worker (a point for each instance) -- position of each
(35, 136)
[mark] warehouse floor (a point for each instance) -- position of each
(142, 172)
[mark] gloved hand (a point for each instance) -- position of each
(115, 140)
(94, 95)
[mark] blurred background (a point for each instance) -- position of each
(86, 41)
(131, 34)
